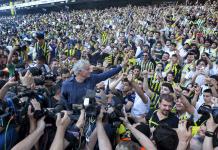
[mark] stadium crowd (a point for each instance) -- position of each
(153, 71)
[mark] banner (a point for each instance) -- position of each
(11, 4)
(28, 4)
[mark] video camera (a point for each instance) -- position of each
(35, 71)
(114, 117)
(205, 110)
(92, 109)
(17, 109)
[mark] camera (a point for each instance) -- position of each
(205, 110)
(50, 77)
(35, 71)
(92, 109)
(114, 117)
(16, 109)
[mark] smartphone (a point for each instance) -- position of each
(16, 75)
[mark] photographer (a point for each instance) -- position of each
(36, 129)
(100, 134)
(62, 124)
(33, 138)
(9, 119)
(103, 140)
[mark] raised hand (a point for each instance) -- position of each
(36, 104)
(197, 90)
(11, 82)
(211, 125)
(101, 114)
(62, 123)
(214, 100)
(183, 133)
(125, 118)
(125, 61)
(41, 124)
(27, 80)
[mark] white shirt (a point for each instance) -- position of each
(138, 51)
(201, 97)
(182, 52)
(170, 52)
(166, 48)
(139, 107)
(200, 79)
(214, 70)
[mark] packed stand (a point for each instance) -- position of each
(119, 78)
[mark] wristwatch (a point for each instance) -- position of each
(209, 134)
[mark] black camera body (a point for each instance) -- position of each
(92, 109)
(17, 110)
(50, 77)
(205, 110)
(114, 117)
(35, 71)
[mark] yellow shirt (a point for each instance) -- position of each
(132, 61)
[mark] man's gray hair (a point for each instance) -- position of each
(80, 65)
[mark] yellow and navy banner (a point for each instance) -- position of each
(13, 12)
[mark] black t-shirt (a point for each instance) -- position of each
(53, 102)
(172, 121)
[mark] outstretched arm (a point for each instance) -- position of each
(103, 140)
(11, 54)
(92, 140)
(105, 75)
(142, 139)
(33, 138)
(62, 124)
(145, 84)
(138, 90)
(5, 88)
(114, 84)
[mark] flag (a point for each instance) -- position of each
(13, 12)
